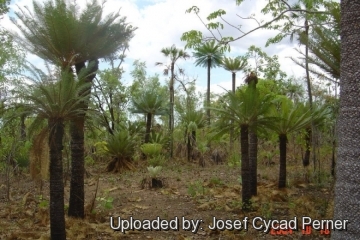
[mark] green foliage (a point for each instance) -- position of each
(208, 50)
(234, 160)
(4, 6)
(58, 32)
(154, 171)
(159, 160)
(151, 149)
(196, 189)
(267, 67)
(121, 145)
(105, 201)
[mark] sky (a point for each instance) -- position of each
(161, 23)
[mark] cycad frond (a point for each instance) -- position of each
(209, 50)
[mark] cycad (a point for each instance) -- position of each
(149, 103)
(56, 102)
(291, 117)
(57, 32)
(248, 109)
(174, 54)
(208, 55)
(121, 147)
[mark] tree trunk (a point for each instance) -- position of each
(76, 201)
(306, 159)
(253, 146)
(171, 116)
(57, 218)
(245, 166)
(347, 191)
(253, 149)
(22, 128)
(148, 127)
(282, 171)
(208, 90)
(232, 121)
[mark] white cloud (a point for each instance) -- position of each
(161, 23)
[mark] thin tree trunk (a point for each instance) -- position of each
(76, 201)
(232, 121)
(208, 90)
(308, 82)
(245, 166)
(347, 192)
(282, 171)
(57, 218)
(22, 128)
(171, 117)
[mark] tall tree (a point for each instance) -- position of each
(149, 103)
(57, 102)
(174, 54)
(233, 65)
(252, 80)
(248, 108)
(208, 55)
(57, 32)
(347, 192)
(291, 117)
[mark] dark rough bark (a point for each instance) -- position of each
(148, 127)
(245, 166)
(76, 201)
(282, 171)
(208, 90)
(57, 218)
(306, 159)
(347, 191)
(253, 149)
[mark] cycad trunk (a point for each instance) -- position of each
(347, 191)
(282, 171)
(76, 201)
(253, 148)
(306, 159)
(208, 90)
(245, 166)
(232, 121)
(57, 218)
(148, 127)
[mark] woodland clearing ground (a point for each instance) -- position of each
(26, 216)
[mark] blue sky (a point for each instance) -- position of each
(161, 23)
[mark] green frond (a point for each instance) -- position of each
(209, 50)
(234, 64)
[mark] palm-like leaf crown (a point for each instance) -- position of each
(209, 50)
(55, 97)
(290, 116)
(57, 32)
(121, 144)
(324, 46)
(234, 64)
(149, 101)
(174, 53)
(245, 107)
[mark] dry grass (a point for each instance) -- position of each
(191, 191)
